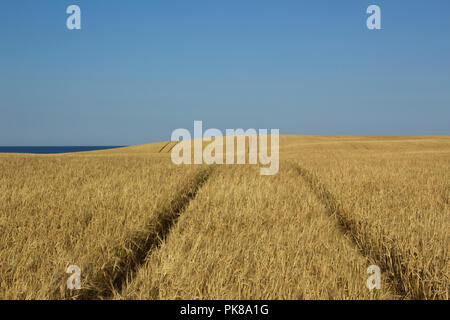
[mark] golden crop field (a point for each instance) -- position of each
(140, 227)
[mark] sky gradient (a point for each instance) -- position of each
(137, 70)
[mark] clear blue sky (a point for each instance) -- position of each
(140, 69)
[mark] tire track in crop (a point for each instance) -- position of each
(163, 147)
(173, 145)
(388, 259)
(130, 257)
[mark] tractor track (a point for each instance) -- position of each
(390, 262)
(163, 147)
(115, 274)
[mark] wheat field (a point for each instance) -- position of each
(140, 227)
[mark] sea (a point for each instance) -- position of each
(54, 149)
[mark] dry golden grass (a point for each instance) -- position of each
(84, 210)
(337, 205)
(252, 237)
(395, 201)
